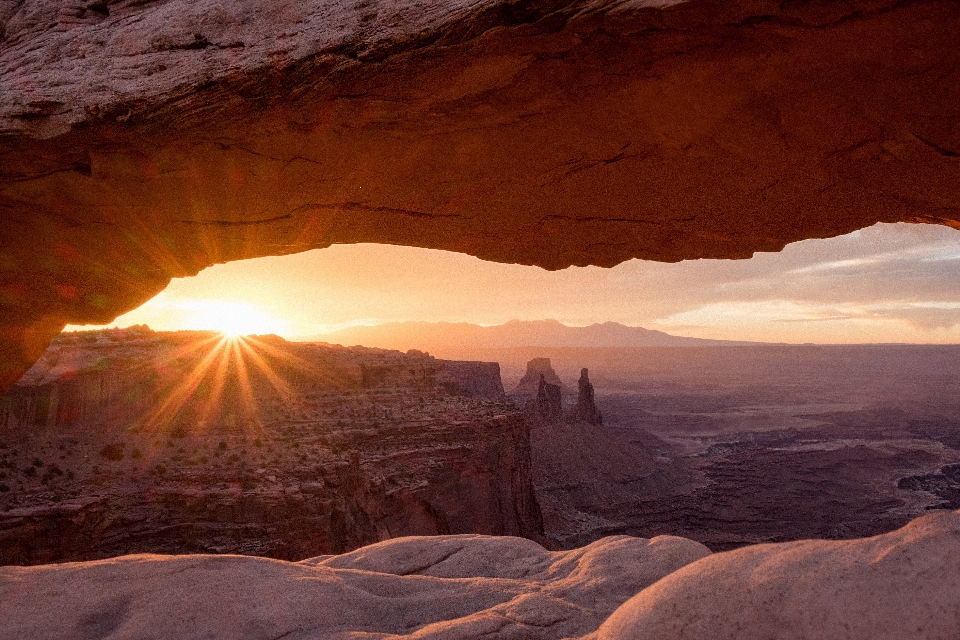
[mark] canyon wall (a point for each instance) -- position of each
(145, 141)
(129, 441)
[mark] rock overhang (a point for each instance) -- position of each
(141, 142)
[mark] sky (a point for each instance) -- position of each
(887, 283)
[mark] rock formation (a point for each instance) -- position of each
(898, 585)
(903, 584)
(529, 386)
(439, 587)
(547, 405)
(144, 141)
(131, 441)
(586, 478)
(586, 408)
(472, 379)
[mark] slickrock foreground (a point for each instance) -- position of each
(444, 587)
(141, 141)
(898, 586)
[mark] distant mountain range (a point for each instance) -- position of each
(516, 333)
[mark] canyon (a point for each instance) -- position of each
(131, 441)
(142, 141)
(341, 473)
(762, 444)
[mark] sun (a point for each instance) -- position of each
(234, 318)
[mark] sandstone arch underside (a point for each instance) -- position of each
(141, 141)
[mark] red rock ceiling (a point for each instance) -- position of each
(554, 133)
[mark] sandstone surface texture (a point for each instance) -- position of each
(902, 584)
(141, 141)
(448, 587)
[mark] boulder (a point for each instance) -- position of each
(902, 584)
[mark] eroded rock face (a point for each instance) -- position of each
(144, 141)
(131, 441)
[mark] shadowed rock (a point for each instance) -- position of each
(537, 369)
(145, 141)
(547, 405)
(586, 409)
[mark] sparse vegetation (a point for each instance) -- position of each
(113, 452)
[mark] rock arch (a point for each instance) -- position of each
(145, 141)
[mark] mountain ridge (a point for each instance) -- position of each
(515, 333)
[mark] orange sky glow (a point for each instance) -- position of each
(888, 283)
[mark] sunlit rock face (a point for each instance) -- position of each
(143, 141)
(903, 584)
(439, 587)
(899, 585)
(130, 441)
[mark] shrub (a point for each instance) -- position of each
(136, 455)
(112, 452)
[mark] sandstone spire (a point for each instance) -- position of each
(537, 368)
(547, 404)
(586, 409)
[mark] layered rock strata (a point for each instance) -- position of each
(133, 441)
(144, 141)
(898, 585)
